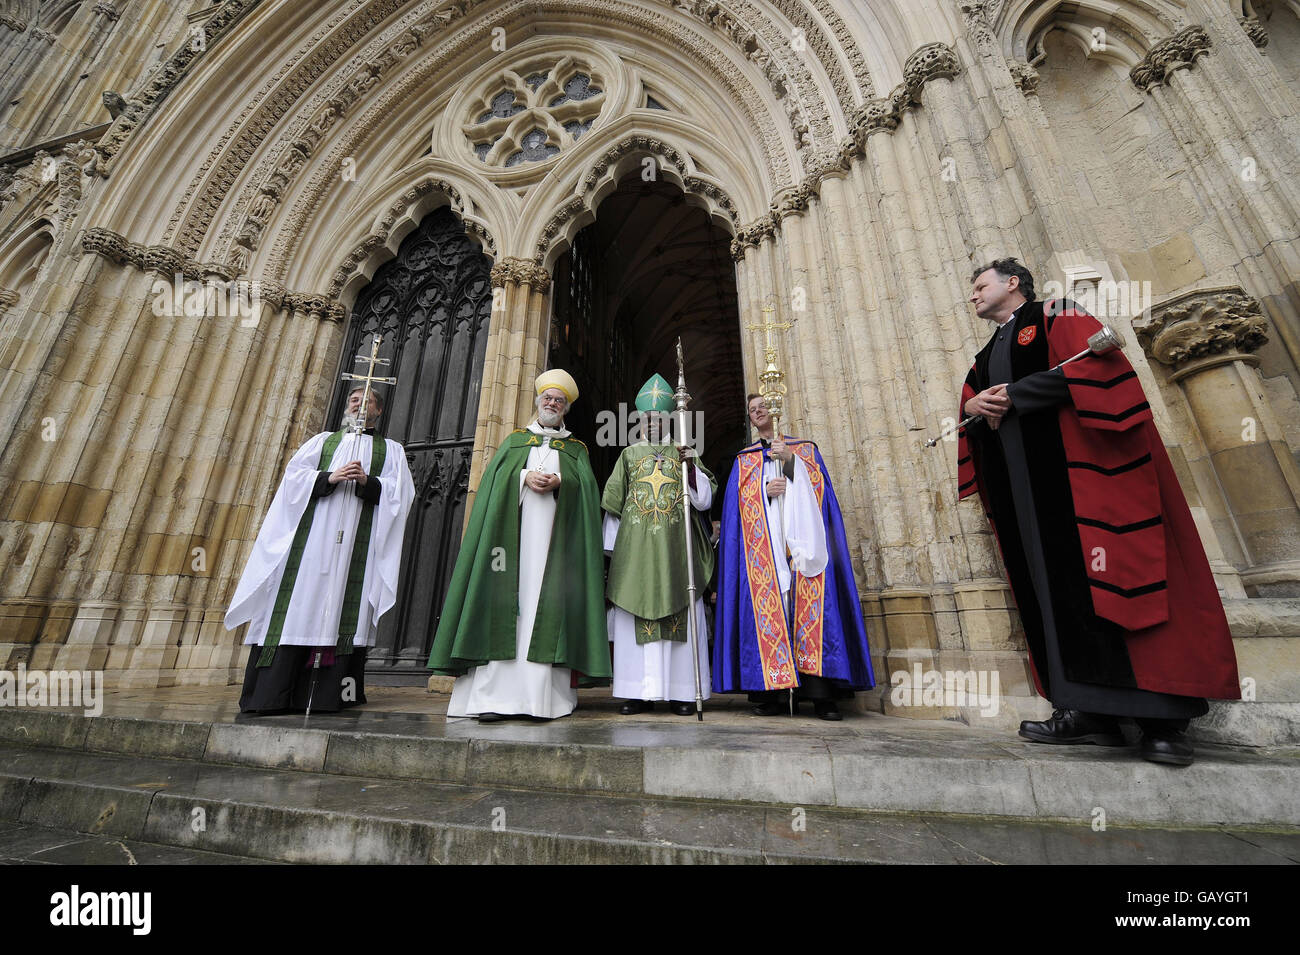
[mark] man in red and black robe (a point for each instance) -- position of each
(1120, 609)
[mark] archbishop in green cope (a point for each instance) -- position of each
(525, 608)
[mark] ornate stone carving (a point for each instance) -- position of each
(1169, 55)
(272, 293)
(337, 41)
(1202, 324)
(630, 145)
(976, 15)
(485, 237)
(790, 202)
(930, 62)
(1255, 30)
(12, 22)
(164, 259)
(752, 235)
(107, 10)
(362, 250)
(768, 47)
(874, 116)
(520, 272)
(827, 162)
(1025, 76)
(552, 228)
(308, 302)
(105, 242)
(702, 187)
(45, 35)
(8, 299)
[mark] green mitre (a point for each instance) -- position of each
(655, 395)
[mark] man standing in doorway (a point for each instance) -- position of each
(1119, 607)
(324, 568)
(525, 606)
(645, 535)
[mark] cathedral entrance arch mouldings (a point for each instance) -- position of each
(351, 110)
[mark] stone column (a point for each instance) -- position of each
(1247, 187)
(1207, 337)
(515, 356)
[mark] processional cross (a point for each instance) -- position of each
(369, 378)
(772, 378)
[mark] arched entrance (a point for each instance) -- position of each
(652, 266)
(431, 304)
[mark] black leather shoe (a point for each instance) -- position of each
(770, 709)
(682, 709)
(489, 717)
(632, 707)
(1074, 726)
(1170, 747)
(827, 710)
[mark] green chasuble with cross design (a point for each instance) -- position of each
(647, 570)
(478, 616)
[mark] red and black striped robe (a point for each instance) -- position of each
(1117, 537)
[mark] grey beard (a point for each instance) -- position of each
(549, 419)
(350, 422)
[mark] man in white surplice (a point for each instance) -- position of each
(324, 568)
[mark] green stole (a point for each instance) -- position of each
(356, 568)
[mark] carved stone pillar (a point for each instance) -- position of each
(516, 354)
(1207, 337)
(1241, 175)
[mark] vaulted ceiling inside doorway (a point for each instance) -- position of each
(652, 266)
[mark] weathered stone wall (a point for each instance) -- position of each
(864, 156)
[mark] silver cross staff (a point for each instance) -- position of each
(358, 428)
(1098, 344)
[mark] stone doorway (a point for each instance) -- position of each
(432, 304)
(651, 267)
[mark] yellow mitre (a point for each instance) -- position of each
(561, 380)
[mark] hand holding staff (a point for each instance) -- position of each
(1100, 342)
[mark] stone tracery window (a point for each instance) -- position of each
(531, 115)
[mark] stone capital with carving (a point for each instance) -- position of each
(929, 62)
(272, 293)
(1171, 54)
(1025, 77)
(874, 116)
(520, 272)
(308, 302)
(12, 22)
(1203, 328)
(1255, 30)
(104, 242)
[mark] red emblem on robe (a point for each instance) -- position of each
(1027, 334)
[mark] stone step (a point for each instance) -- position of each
(315, 817)
(41, 845)
(871, 764)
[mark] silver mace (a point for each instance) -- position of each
(682, 399)
(1098, 344)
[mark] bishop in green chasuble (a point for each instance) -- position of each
(644, 534)
(523, 621)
